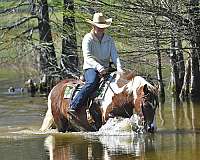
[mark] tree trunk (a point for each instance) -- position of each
(69, 58)
(47, 52)
(176, 60)
(195, 76)
(159, 65)
(160, 79)
(181, 63)
(186, 83)
(174, 70)
(177, 65)
(195, 53)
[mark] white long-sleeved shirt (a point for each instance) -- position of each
(97, 54)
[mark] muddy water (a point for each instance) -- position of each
(178, 135)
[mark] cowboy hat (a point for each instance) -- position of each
(100, 21)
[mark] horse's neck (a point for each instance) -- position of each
(132, 87)
(112, 90)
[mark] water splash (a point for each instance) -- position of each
(122, 126)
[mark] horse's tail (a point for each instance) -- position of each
(48, 120)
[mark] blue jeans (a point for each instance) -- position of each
(92, 79)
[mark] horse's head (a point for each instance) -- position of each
(148, 102)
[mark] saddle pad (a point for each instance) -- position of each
(68, 91)
(72, 90)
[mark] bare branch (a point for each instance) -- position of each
(11, 9)
(18, 23)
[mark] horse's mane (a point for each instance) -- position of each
(137, 82)
(125, 78)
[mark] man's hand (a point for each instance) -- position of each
(104, 72)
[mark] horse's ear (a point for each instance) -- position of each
(145, 89)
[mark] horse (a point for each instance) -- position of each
(122, 95)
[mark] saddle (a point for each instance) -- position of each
(72, 89)
(92, 101)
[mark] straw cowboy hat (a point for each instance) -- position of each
(100, 21)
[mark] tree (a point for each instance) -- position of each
(69, 57)
(148, 33)
(195, 52)
(47, 55)
(174, 23)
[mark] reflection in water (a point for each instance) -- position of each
(161, 114)
(195, 118)
(115, 139)
(62, 147)
(126, 146)
(98, 147)
(185, 115)
(22, 148)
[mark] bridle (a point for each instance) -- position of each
(149, 100)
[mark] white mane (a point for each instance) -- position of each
(136, 83)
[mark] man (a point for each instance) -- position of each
(98, 48)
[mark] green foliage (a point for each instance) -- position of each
(5, 4)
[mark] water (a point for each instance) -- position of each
(178, 135)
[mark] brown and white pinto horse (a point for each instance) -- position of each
(123, 95)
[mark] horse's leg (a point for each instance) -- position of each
(62, 124)
(96, 115)
(97, 119)
(48, 120)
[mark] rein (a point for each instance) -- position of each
(108, 84)
(154, 98)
